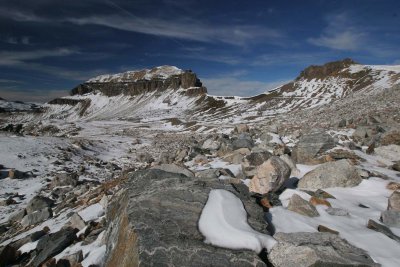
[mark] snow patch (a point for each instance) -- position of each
(223, 222)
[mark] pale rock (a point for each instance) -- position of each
(211, 144)
(394, 201)
(301, 206)
(270, 176)
(390, 152)
(316, 249)
(331, 174)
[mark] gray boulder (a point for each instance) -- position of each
(311, 146)
(316, 249)
(153, 222)
(39, 203)
(252, 161)
(174, 169)
(52, 244)
(37, 217)
(301, 206)
(391, 218)
(242, 143)
(331, 174)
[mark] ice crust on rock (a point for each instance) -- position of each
(223, 222)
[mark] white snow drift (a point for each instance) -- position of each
(223, 222)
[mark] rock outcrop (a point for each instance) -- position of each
(135, 83)
(154, 223)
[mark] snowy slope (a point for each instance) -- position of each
(315, 86)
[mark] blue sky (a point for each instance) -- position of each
(236, 47)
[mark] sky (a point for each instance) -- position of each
(243, 48)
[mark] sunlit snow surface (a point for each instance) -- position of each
(371, 193)
(223, 222)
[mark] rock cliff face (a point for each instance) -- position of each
(135, 83)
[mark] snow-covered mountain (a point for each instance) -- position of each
(17, 106)
(166, 92)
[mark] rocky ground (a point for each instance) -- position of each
(318, 187)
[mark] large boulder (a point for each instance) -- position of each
(153, 221)
(270, 176)
(252, 161)
(311, 146)
(316, 249)
(331, 174)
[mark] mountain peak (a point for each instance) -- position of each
(328, 69)
(160, 72)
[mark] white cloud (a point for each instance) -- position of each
(13, 58)
(341, 33)
(229, 86)
(347, 40)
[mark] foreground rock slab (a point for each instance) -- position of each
(153, 222)
(316, 249)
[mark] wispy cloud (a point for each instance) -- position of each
(183, 28)
(13, 58)
(290, 59)
(24, 40)
(340, 34)
(26, 60)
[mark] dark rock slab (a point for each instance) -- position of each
(382, 229)
(153, 222)
(53, 244)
